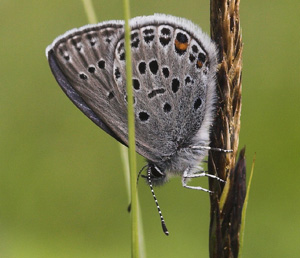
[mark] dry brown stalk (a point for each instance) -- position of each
(227, 200)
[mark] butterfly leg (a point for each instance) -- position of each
(204, 174)
(209, 148)
(187, 175)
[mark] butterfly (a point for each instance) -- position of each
(174, 68)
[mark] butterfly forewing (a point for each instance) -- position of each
(82, 59)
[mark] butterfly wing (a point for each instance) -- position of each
(68, 57)
(173, 69)
(75, 97)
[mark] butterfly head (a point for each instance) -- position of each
(156, 174)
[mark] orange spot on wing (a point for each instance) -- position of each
(180, 45)
(199, 64)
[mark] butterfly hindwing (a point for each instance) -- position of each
(173, 81)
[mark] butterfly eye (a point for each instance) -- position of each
(156, 172)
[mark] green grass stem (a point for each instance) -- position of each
(137, 243)
(90, 11)
(131, 137)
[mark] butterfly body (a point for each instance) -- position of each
(174, 66)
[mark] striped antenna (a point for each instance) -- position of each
(163, 224)
(137, 181)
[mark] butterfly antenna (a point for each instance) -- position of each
(140, 172)
(163, 224)
(137, 181)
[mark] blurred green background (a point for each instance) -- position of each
(62, 189)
